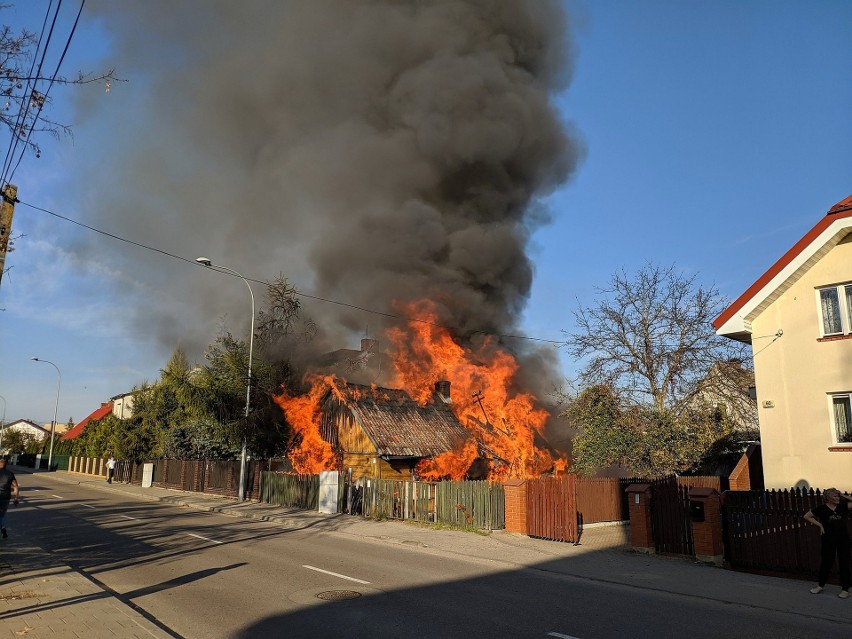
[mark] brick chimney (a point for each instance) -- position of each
(442, 391)
(368, 345)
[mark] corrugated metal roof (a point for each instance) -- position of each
(399, 427)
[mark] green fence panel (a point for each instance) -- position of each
(471, 504)
(291, 491)
(460, 504)
(61, 461)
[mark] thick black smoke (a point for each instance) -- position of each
(370, 151)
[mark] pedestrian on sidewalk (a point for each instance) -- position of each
(8, 491)
(831, 518)
(110, 468)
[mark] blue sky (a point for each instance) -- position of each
(715, 137)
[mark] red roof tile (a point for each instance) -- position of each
(100, 413)
(842, 209)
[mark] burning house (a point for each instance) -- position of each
(384, 433)
(491, 427)
(398, 170)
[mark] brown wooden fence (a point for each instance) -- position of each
(602, 499)
(764, 532)
(219, 477)
(552, 508)
(670, 522)
(670, 519)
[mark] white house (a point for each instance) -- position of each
(798, 318)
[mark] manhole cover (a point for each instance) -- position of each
(338, 595)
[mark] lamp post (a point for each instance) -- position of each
(2, 424)
(204, 261)
(55, 409)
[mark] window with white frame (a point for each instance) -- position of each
(835, 309)
(841, 417)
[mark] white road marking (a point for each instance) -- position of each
(59, 496)
(336, 574)
(128, 517)
(204, 538)
(560, 636)
(87, 505)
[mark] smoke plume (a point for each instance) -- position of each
(371, 152)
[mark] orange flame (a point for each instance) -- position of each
(452, 464)
(503, 420)
(485, 397)
(312, 454)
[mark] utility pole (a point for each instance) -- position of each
(7, 210)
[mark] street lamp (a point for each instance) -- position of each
(2, 424)
(204, 261)
(55, 409)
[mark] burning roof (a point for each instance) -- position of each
(492, 417)
(396, 424)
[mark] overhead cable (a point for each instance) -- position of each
(295, 291)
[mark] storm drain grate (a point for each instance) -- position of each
(338, 595)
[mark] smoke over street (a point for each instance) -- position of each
(375, 153)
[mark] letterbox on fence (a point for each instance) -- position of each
(696, 510)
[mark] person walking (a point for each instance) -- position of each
(110, 468)
(831, 517)
(8, 491)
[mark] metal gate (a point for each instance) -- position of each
(670, 521)
(552, 508)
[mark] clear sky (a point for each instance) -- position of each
(716, 135)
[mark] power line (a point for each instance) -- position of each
(46, 93)
(21, 117)
(295, 291)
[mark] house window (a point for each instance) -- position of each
(841, 415)
(835, 308)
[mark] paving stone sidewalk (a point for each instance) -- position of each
(41, 597)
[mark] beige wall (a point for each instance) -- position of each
(797, 372)
(122, 407)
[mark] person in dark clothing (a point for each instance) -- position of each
(831, 517)
(8, 491)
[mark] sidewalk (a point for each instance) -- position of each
(41, 597)
(602, 557)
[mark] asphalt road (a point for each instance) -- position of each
(208, 575)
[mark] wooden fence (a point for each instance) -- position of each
(603, 499)
(471, 504)
(552, 508)
(764, 531)
(671, 524)
(460, 504)
(218, 477)
(289, 490)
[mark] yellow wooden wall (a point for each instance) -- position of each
(341, 429)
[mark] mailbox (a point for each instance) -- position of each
(696, 510)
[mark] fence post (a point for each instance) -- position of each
(197, 475)
(258, 469)
(707, 533)
(641, 533)
(515, 491)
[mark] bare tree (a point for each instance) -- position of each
(25, 88)
(282, 319)
(649, 337)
